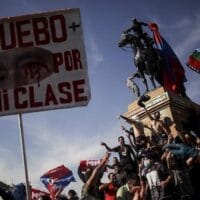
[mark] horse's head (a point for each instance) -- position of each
(126, 39)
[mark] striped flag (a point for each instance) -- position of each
(55, 180)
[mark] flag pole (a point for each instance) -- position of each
(21, 130)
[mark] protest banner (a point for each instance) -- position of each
(42, 66)
(42, 62)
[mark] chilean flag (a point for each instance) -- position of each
(173, 72)
(57, 179)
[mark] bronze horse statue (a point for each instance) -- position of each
(147, 59)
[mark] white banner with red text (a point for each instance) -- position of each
(43, 62)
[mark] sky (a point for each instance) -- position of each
(67, 136)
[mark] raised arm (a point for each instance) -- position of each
(127, 131)
(148, 114)
(132, 143)
(129, 134)
(147, 127)
(97, 170)
(131, 121)
(107, 147)
(103, 186)
(81, 175)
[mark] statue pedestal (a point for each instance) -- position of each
(180, 109)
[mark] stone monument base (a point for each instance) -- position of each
(181, 110)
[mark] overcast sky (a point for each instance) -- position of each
(69, 135)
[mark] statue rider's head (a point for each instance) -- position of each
(134, 20)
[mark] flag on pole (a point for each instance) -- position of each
(173, 71)
(194, 61)
(55, 180)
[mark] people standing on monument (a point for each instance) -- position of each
(126, 155)
(182, 182)
(138, 128)
(158, 126)
(131, 137)
(183, 151)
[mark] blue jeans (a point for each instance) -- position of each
(181, 150)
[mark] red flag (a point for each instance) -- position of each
(173, 72)
(85, 163)
(35, 193)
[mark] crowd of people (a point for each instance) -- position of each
(165, 165)
(161, 165)
(13, 194)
